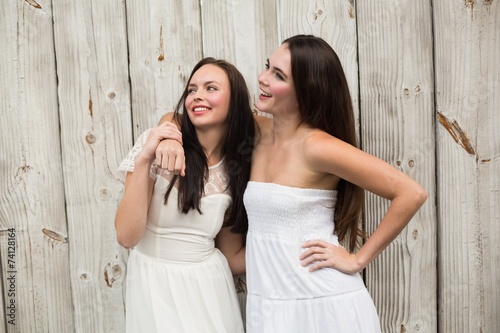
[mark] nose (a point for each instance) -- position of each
(198, 96)
(262, 78)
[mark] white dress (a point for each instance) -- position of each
(177, 281)
(283, 296)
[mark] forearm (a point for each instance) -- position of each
(231, 245)
(168, 117)
(131, 216)
(399, 214)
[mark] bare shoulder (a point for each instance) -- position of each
(170, 117)
(317, 141)
(325, 152)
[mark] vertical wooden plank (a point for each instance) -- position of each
(229, 33)
(33, 237)
(334, 21)
(164, 45)
(244, 33)
(467, 39)
(267, 37)
(91, 49)
(397, 125)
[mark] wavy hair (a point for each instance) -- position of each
(237, 149)
(325, 103)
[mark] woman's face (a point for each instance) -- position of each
(277, 92)
(207, 101)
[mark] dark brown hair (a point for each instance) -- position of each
(237, 148)
(325, 103)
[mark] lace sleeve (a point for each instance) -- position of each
(128, 164)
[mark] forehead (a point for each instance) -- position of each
(209, 73)
(281, 57)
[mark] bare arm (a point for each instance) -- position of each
(130, 220)
(231, 245)
(131, 216)
(332, 156)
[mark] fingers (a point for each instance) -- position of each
(318, 254)
(180, 165)
(315, 242)
(170, 156)
(311, 258)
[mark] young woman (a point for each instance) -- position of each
(178, 280)
(305, 198)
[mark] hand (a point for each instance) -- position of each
(163, 131)
(322, 254)
(170, 156)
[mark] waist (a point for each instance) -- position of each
(274, 271)
(182, 248)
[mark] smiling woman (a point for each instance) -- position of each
(207, 103)
(187, 232)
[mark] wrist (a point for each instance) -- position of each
(178, 140)
(143, 161)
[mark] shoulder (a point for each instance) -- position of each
(315, 141)
(323, 151)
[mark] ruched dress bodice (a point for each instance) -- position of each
(283, 296)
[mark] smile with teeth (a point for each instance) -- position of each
(263, 93)
(200, 109)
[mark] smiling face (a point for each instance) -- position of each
(207, 101)
(277, 92)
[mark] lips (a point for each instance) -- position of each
(200, 109)
(264, 94)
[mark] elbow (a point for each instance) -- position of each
(237, 268)
(125, 239)
(420, 196)
(126, 243)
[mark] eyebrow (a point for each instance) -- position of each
(206, 83)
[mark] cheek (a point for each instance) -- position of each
(187, 101)
(222, 102)
(281, 91)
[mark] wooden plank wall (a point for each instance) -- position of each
(397, 125)
(467, 50)
(80, 80)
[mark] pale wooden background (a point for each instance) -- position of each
(80, 79)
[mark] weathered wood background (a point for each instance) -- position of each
(80, 79)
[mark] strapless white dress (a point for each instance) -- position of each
(283, 296)
(177, 280)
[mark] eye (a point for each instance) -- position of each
(211, 88)
(191, 90)
(267, 64)
(278, 75)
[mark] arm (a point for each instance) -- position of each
(131, 216)
(170, 154)
(231, 245)
(332, 156)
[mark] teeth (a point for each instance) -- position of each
(263, 93)
(200, 109)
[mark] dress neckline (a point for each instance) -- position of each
(210, 167)
(302, 190)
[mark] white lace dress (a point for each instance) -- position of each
(283, 296)
(177, 281)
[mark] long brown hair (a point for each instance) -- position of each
(325, 103)
(237, 148)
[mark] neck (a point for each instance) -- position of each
(285, 127)
(212, 142)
